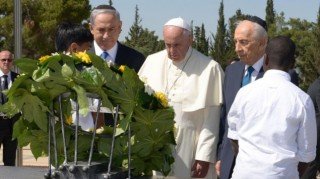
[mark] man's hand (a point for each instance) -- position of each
(217, 166)
(200, 169)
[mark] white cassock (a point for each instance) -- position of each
(194, 89)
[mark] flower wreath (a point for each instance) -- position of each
(34, 94)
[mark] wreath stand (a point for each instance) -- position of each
(82, 169)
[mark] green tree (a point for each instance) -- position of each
(271, 18)
(301, 32)
(310, 62)
(110, 2)
(270, 13)
(230, 48)
(142, 39)
(218, 50)
(200, 41)
(40, 22)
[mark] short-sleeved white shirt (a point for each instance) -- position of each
(274, 123)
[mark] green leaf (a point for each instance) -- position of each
(25, 138)
(26, 65)
(139, 165)
(67, 71)
(82, 100)
(18, 127)
(104, 145)
(32, 108)
(39, 144)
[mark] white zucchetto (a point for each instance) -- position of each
(178, 22)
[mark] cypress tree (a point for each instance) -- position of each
(218, 51)
(142, 39)
(270, 13)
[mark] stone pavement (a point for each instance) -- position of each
(28, 159)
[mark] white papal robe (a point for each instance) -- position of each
(194, 89)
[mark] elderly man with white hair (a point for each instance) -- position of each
(193, 85)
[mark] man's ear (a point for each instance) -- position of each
(90, 27)
(263, 43)
(73, 48)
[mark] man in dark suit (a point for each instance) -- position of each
(6, 124)
(105, 25)
(250, 42)
(314, 166)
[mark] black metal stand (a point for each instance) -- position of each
(81, 169)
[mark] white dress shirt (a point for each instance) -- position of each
(274, 123)
(257, 67)
(112, 52)
(8, 78)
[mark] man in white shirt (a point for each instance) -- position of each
(283, 138)
(193, 85)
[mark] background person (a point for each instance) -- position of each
(72, 38)
(283, 139)
(314, 166)
(7, 76)
(251, 39)
(105, 26)
(193, 85)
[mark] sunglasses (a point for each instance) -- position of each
(8, 60)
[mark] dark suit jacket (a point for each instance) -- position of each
(232, 84)
(6, 125)
(314, 166)
(127, 56)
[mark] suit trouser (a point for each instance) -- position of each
(9, 149)
(8, 145)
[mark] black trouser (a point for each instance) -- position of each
(9, 150)
(8, 145)
(313, 168)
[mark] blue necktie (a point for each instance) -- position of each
(104, 55)
(247, 78)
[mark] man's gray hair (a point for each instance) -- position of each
(259, 31)
(96, 12)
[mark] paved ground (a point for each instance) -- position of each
(28, 159)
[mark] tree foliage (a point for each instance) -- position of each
(219, 48)
(230, 47)
(142, 39)
(270, 13)
(201, 43)
(40, 19)
(271, 18)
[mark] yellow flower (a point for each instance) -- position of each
(122, 68)
(69, 120)
(44, 58)
(162, 98)
(100, 130)
(83, 56)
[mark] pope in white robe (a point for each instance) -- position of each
(193, 84)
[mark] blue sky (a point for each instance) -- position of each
(154, 13)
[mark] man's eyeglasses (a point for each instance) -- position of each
(8, 60)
